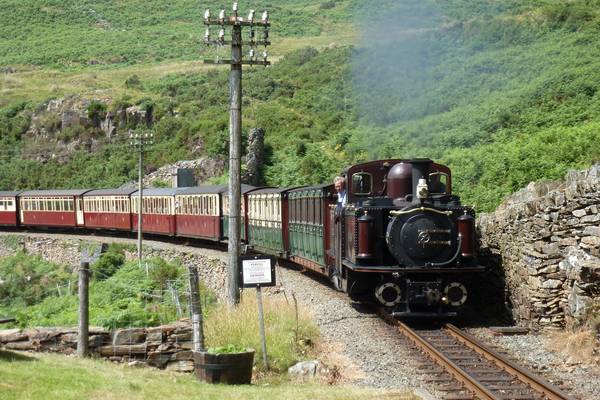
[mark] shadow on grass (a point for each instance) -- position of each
(11, 357)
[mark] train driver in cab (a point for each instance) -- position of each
(339, 183)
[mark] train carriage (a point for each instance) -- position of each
(108, 209)
(309, 226)
(267, 221)
(8, 208)
(245, 189)
(198, 212)
(158, 211)
(52, 208)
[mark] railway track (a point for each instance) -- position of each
(464, 368)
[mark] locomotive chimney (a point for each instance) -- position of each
(420, 170)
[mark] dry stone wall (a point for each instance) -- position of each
(546, 243)
(167, 346)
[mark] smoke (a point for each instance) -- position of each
(395, 59)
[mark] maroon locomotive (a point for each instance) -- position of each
(404, 239)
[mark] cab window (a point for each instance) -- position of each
(438, 182)
(362, 184)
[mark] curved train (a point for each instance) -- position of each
(403, 239)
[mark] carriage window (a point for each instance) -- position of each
(319, 220)
(311, 210)
(362, 184)
(438, 182)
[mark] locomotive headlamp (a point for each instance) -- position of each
(422, 189)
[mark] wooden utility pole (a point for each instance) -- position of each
(235, 116)
(196, 311)
(139, 141)
(84, 315)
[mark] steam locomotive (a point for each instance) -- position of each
(402, 240)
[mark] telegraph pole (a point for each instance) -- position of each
(236, 24)
(139, 141)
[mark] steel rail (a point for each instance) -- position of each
(439, 358)
(536, 383)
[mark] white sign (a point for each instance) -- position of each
(257, 272)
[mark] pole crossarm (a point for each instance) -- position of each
(232, 62)
(239, 21)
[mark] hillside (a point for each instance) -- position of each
(504, 92)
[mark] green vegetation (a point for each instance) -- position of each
(288, 339)
(503, 92)
(50, 376)
(40, 293)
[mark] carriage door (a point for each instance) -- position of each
(79, 209)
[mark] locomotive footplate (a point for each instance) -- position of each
(389, 269)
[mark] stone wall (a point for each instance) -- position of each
(545, 241)
(167, 346)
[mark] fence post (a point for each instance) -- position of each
(196, 310)
(84, 316)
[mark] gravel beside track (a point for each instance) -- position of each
(371, 352)
(533, 352)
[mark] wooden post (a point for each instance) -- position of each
(235, 160)
(84, 320)
(261, 319)
(196, 311)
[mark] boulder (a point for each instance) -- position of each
(129, 336)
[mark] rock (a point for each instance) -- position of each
(137, 363)
(21, 346)
(182, 355)
(579, 213)
(304, 369)
(158, 359)
(181, 366)
(12, 335)
(591, 231)
(129, 336)
(122, 350)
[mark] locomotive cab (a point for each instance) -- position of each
(407, 242)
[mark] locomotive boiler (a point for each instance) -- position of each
(403, 239)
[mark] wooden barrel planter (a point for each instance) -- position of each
(230, 368)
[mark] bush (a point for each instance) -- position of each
(96, 111)
(133, 82)
(108, 263)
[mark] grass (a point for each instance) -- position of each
(580, 345)
(37, 84)
(287, 342)
(50, 376)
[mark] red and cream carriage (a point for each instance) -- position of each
(158, 208)
(52, 208)
(108, 209)
(198, 212)
(8, 208)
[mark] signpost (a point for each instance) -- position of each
(258, 272)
